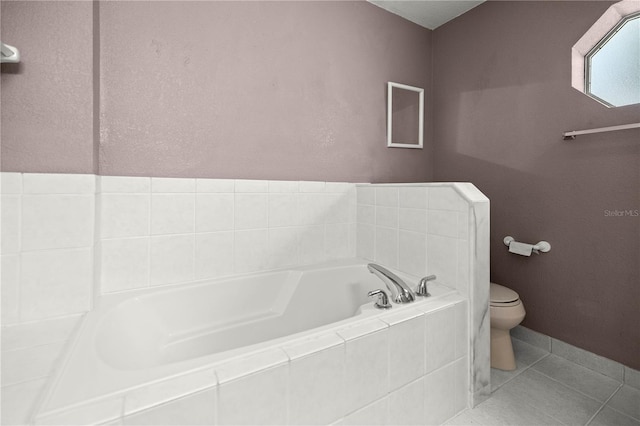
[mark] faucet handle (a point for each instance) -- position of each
(383, 300)
(422, 287)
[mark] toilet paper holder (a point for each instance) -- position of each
(542, 246)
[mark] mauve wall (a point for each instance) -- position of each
(503, 97)
(47, 99)
(262, 90)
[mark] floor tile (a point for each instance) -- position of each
(588, 359)
(547, 396)
(467, 417)
(499, 410)
(627, 401)
(526, 355)
(609, 417)
(632, 377)
(589, 382)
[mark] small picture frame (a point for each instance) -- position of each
(405, 116)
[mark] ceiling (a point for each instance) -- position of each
(428, 13)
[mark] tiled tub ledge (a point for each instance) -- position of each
(410, 357)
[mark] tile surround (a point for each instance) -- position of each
(28, 353)
(131, 210)
(236, 225)
(441, 229)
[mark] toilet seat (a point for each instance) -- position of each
(501, 296)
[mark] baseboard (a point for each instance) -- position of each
(600, 364)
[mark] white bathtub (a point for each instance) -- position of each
(133, 341)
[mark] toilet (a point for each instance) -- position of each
(506, 311)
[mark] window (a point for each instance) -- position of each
(606, 60)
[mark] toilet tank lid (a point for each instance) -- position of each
(502, 294)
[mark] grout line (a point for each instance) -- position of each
(516, 375)
(604, 404)
(578, 390)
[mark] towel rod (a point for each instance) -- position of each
(573, 134)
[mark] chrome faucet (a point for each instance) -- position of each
(400, 291)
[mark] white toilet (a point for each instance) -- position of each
(506, 312)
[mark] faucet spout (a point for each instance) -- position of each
(400, 291)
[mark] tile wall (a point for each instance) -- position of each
(68, 238)
(48, 230)
(420, 230)
(404, 367)
(437, 229)
(61, 233)
(157, 231)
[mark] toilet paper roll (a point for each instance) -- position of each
(520, 248)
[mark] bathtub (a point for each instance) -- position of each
(139, 349)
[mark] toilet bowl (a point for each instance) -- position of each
(506, 311)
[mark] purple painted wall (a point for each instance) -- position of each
(264, 90)
(502, 99)
(47, 99)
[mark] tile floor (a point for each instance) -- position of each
(546, 389)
